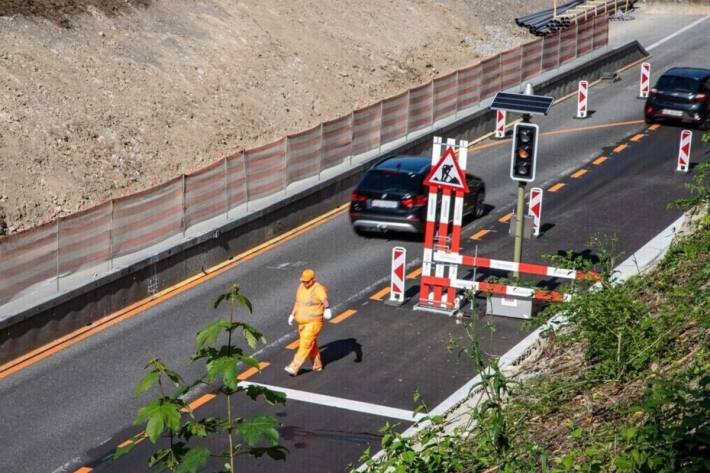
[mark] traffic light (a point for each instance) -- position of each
(524, 152)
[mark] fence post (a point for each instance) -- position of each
(226, 189)
(56, 239)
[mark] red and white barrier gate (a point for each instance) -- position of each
(500, 124)
(535, 208)
(582, 96)
(644, 83)
(442, 242)
(397, 283)
(686, 139)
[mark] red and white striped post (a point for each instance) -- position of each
(644, 85)
(535, 208)
(500, 124)
(582, 96)
(397, 283)
(686, 139)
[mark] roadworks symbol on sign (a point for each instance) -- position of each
(447, 173)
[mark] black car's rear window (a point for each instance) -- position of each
(678, 84)
(391, 181)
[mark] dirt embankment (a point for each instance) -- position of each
(103, 97)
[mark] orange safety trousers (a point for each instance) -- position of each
(308, 330)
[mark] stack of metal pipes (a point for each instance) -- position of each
(562, 16)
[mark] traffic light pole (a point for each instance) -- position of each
(519, 217)
(518, 250)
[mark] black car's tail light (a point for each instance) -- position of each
(416, 201)
(700, 98)
(358, 197)
(649, 110)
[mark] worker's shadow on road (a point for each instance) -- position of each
(339, 349)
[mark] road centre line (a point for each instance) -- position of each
(620, 148)
(380, 294)
(579, 173)
(479, 234)
(292, 345)
(84, 469)
(506, 218)
(600, 160)
(415, 274)
(141, 306)
(341, 403)
(654, 127)
(638, 137)
(252, 371)
(556, 187)
(344, 315)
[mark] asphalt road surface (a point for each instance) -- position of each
(71, 410)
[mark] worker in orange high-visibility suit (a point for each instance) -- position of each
(309, 310)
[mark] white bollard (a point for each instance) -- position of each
(500, 124)
(686, 139)
(582, 95)
(645, 81)
(397, 286)
(535, 208)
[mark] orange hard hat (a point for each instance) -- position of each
(307, 275)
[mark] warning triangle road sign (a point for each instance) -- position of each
(447, 173)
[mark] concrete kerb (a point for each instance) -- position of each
(457, 407)
(42, 316)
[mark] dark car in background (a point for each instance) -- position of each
(391, 196)
(682, 94)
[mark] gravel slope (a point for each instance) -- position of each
(104, 97)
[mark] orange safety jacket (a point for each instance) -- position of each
(310, 302)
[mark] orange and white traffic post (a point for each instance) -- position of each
(535, 208)
(397, 281)
(645, 81)
(686, 139)
(582, 99)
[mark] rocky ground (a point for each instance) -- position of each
(99, 98)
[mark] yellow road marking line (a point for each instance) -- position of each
(556, 187)
(599, 160)
(506, 218)
(84, 469)
(415, 274)
(292, 345)
(343, 316)
(620, 148)
(655, 126)
(479, 147)
(252, 371)
(479, 234)
(638, 137)
(139, 307)
(579, 173)
(380, 294)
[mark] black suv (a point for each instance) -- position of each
(681, 94)
(391, 196)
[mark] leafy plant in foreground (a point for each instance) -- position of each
(171, 417)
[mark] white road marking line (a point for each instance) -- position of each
(340, 403)
(671, 36)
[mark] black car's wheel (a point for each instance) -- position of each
(479, 207)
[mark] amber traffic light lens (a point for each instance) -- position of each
(523, 153)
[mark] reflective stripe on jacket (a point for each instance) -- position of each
(310, 302)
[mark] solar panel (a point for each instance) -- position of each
(520, 103)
